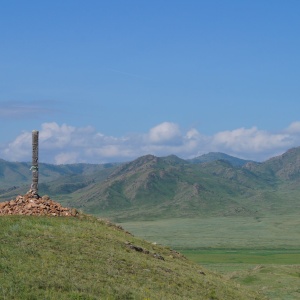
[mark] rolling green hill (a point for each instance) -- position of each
(86, 258)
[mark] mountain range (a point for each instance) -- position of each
(153, 187)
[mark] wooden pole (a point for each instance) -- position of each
(35, 164)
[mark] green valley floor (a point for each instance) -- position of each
(261, 254)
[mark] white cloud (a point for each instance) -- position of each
(252, 143)
(66, 158)
(164, 132)
(62, 144)
(20, 148)
(192, 134)
(54, 136)
(294, 128)
(110, 151)
(250, 140)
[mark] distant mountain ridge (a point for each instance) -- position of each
(213, 156)
(161, 187)
(285, 166)
(19, 172)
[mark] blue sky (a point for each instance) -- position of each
(113, 80)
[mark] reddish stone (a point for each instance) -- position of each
(3, 204)
(28, 205)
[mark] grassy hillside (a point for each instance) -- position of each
(70, 258)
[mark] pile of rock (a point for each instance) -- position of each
(33, 205)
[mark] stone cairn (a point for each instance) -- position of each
(33, 205)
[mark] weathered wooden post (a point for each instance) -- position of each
(35, 164)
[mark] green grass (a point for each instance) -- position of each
(259, 253)
(244, 256)
(276, 273)
(269, 232)
(276, 281)
(68, 258)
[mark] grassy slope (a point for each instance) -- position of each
(67, 258)
(276, 281)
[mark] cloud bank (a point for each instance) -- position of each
(63, 144)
